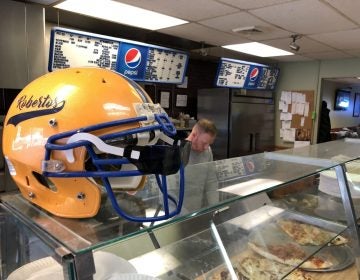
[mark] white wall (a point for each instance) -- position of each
(294, 76)
(309, 76)
(339, 119)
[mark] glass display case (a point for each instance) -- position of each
(275, 215)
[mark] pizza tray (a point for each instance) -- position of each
(341, 257)
(321, 205)
(270, 233)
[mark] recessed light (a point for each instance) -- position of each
(258, 49)
(120, 13)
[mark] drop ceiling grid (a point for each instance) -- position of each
(244, 19)
(329, 27)
(253, 4)
(196, 32)
(349, 8)
(191, 10)
(341, 40)
(307, 45)
(304, 17)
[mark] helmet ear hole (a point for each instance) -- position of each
(43, 181)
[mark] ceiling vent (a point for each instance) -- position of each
(247, 30)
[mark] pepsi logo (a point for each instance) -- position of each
(132, 58)
(254, 74)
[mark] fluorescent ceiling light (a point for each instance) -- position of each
(258, 49)
(120, 13)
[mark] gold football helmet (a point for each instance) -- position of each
(76, 133)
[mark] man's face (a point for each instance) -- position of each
(201, 142)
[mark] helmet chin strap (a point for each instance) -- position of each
(98, 143)
(106, 148)
(131, 182)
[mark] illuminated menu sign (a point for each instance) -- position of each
(135, 60)
(241, 74)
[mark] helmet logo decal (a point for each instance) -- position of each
(45, 105)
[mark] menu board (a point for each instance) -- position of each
(135, 60)
(241, 74)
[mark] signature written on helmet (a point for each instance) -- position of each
(43, 105)
(40, 102)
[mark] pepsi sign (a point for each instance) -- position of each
(133, 58)
(242, 74)
(136, 60)
(132, 61)
(254, 74)
(252, 78)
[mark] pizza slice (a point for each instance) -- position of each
(258, 268)
(219, 273)
(298, 274)
(306, 234)
(290, 254)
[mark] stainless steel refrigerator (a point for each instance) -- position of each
(245, 120)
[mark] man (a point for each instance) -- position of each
(201, 137)
(325, 124)
(200, 174)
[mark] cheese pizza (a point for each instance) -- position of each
(255, 267)
(290, 254)
(221, 274)
(306, 234)
(258, 268)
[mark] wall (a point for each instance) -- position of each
(309, 76)
(201, 74)
(339, 119)
(341, 68)
(294, 76)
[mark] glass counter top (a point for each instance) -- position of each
(208, 187)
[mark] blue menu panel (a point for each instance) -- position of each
(242, 74)
(138, 61)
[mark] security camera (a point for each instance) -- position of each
(293, 45)
(203, 52)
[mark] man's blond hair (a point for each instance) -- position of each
(206, 126)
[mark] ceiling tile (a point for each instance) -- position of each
(185, 9)
(328, 55)
(304, 17)
(306, 45)
(199, 33)
(355, 53)
(244, 19)
(330, 28)
(342, 40)
(246, 4)
(222, 52)
(350, 8)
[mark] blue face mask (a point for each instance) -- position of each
(107, 153)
